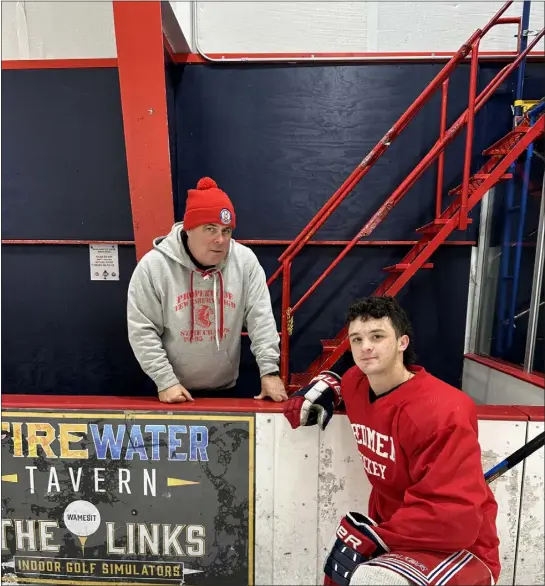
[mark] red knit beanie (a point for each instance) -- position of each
(208, 205)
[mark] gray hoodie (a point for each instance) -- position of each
(185, 324)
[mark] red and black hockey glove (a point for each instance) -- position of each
(315, 403)
(355, 543)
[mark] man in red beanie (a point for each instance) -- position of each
(189, 299)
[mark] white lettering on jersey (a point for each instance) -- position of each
(373, 468)
(380, 439)
(380, 444)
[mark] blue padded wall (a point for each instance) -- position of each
(64, 172)
(63, 333)
(64, 176)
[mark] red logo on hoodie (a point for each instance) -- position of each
(203, 315)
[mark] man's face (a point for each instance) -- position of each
(375, 347)
(209, 244)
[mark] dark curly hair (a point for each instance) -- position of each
(379, 307)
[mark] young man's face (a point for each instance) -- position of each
(209, 244)
(375, 347)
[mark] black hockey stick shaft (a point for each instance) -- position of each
(515, 458)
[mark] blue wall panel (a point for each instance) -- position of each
(64, 172)
(64, 176)
(62, 333)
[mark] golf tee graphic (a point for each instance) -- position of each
(82, 518)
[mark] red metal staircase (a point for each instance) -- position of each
(432, 235)
(455, 216)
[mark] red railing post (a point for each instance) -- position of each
(441, 162)
(469, 136)
(286, 323)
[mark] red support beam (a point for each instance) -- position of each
(140, 59)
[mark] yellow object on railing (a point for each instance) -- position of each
(526, 104)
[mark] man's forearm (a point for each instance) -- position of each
(153, 359)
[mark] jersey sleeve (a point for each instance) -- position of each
(349, 382)
(442, 510)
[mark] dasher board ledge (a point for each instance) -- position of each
(91, 403)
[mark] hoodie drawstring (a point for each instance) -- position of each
(192, 309)
(216, 314)
(220, 278)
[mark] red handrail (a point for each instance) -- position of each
(329, 207)
(409, 181)
(363, 168)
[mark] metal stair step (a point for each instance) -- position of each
(403, 266)
(436, 225)
(299, 379)
(505, 144)
(330, 345)
(498, 150)
(479, 177)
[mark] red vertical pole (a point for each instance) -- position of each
(140, 58)
(286, 323)
(441, 162)
(469, 136)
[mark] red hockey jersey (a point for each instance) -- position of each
(420, 450)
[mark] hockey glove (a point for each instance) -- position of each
(355, 543)
(315, 403)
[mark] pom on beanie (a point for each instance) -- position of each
(206, 183)
(208, 205)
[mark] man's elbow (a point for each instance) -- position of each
(465, 530)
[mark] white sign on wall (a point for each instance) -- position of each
(104, 262)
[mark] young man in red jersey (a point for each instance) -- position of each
(432, 517)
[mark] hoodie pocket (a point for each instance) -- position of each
(208, 370)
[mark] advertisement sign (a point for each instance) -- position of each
(127, 498)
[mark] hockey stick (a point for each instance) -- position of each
(515, 458)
